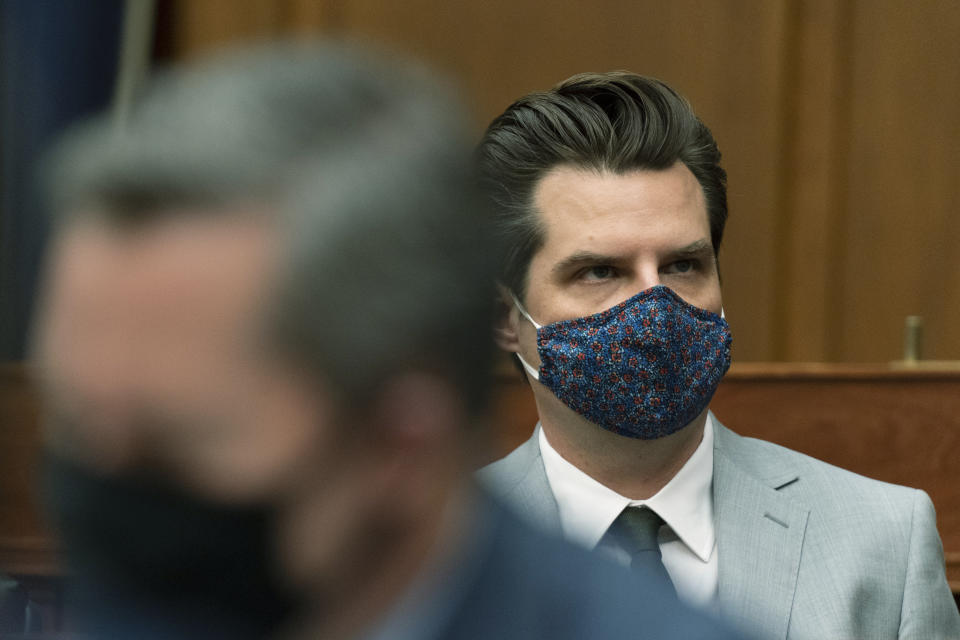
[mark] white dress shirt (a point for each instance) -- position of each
(688, 542)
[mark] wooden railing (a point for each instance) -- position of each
(894, 424)
(25, 546)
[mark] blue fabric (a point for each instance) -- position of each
(534, 587)
(57, 65)
(520, 584)
(644, 368)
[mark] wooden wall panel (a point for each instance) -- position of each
(836, 119)
(198, 27)
(903, 197)
(725, 57)
(814, 89)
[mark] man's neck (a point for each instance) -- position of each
(386, 571)
(634, 468)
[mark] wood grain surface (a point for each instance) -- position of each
(893, 424)
(836, 119)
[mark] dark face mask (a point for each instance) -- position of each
(644, 368)
(151, 561)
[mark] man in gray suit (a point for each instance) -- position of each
(610, 194)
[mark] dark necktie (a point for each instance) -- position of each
(635, 529)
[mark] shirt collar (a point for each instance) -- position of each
(588, 508)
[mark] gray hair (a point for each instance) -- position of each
(366, 166)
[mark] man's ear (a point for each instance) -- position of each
(508, 317)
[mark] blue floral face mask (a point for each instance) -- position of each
(644, 368)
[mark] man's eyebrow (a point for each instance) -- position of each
(582, 259)
(697, 249)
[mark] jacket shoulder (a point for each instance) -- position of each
(510, 470)
(814, 481)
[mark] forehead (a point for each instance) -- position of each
(119, 303)
(580, 207)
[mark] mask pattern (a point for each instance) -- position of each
(644, 368)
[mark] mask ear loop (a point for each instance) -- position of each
(524, 312)
(530, 370)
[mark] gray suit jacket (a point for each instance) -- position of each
(806, 550)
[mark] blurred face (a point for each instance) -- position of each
(150, 357)
(610, 236)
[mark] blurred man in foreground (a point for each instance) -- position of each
(262, 349)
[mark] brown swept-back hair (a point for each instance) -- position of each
(615, 122)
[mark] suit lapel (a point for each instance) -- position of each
(760, 534)
(522, 481)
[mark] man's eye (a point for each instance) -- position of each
(599, 272)
(681, 266)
